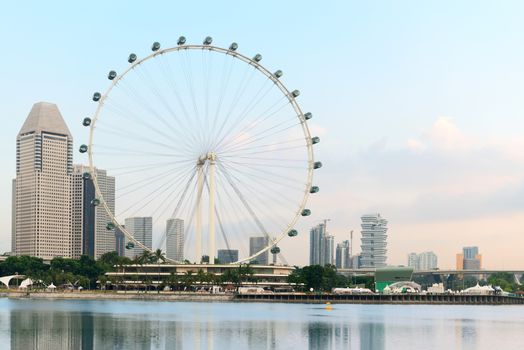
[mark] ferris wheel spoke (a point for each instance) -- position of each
(146, 182)
(148, 198)
(287, 160)
(206, 78)
(264, 178)
(169, 75)
(283, 199)
(167, 106)
(234, 101)
(272, 146)
(226, 75)
(270, 150)
(148, 179)
(244, 201)
(233, 216)
(146, 106)
(256, 99)
(125, 135)
(146, 166)
(135, 153)
(267, 175)
(186, 63)
(266, 114)
(126, 114)
(164, 204)
(256, 138)
(278, 166)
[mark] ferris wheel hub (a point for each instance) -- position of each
(210, 156)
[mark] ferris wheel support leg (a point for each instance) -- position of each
(211, 242)
(198, 228)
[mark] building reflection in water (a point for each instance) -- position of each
(53, 329)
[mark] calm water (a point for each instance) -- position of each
(68, 324)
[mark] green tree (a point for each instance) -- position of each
(504, 280)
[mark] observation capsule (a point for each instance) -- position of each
(86, 176)
(314, 189)
(181, 40)
(292, 233)
(295, 93)
(132, 58)
(278, 74)
(275, 250)
(306, 212)
(208, 40)
(96, 96)
(95, 202)
(83, 149)
(110, 226)
(111, 75)
(233, 47)
(257, 57)
(308, 116)
(130, 245)
(86, 122)
(317, 165)
(315, 140)
(155, 46)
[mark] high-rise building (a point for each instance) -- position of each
(44, 167)
(321, 246)
(356, 261)
(90, 234)
(175, 239)
(227, 256)
(342, 257)
(256, 244)
(427, 261)
(120, 242)
(374, 240)
(13, 216)
(413, 260)
(141, 228)
(470, 259)
(423, 261)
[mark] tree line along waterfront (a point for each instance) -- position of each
(92, 274)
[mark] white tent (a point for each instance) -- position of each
(482, 290)
(51, 287)
(26, 283)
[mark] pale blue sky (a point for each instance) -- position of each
(419, 104)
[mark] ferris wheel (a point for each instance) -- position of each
(208, 137)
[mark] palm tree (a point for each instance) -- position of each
(158, 256)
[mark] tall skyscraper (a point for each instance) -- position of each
(427, 261)
(13, 216)
(44, 167)
(175, 239)
(90, 235)
(227, 256)
(141, 228)
(342, 257)
(120, 242)
(374, 240)
(321, 246)
(423, 261)
(256, 244)
(413, 261)
(470, 259)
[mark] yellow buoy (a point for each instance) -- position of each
(328, 306)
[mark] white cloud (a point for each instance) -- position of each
(415, 146)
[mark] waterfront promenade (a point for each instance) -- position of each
(447, 299)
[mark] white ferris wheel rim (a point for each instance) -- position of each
(234, 54)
